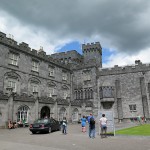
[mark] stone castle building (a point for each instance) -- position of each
(34, 85)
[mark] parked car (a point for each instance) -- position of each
(45, 125)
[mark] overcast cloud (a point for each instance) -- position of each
(117, 24)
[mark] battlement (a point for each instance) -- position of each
(137, 67)
(2, 35)
(92, 46)
(24, 47)
(66, 54)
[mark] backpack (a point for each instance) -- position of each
(92, 121)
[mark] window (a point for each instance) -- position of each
(62, 113)
(35, 66)
(13, 59)
(86, 94)
(90, 93)
(132, 107)
(65, 94)
(12, 84)
(22, 114)
(64, 76)
(106, 92)
(34, 88)
(51, 92)
(76, 94)
(51, 71)
(75, 115)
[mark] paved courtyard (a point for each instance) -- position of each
(22, 139)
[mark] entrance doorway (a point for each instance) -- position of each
(45, 112)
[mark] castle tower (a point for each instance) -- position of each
(92, 53)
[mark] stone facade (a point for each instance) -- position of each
(35, 85)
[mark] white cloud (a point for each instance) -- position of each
(122, 59)
(31, 35)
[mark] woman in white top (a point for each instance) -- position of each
(103, 125)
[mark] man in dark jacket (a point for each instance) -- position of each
(88, 119)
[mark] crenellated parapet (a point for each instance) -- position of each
(92, 51)
(137, 67)
(24, 47)
(91, 47)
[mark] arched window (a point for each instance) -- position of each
(81, 94)
(75, 115)
(62, 113)
(23, 114)
(12, 80)
(91, 91)
(75, 94)
(86, 96)
(89, 94)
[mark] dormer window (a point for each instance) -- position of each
(13, 59)
(35, 66)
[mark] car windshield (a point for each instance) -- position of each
(41, 121)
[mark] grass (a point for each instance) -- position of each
(141, 130)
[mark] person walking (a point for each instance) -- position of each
(139, 119)
(88, 119)
(83, 124)
(64, 125)
(103, 125)
(92, 127)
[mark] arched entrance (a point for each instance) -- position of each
(45, 112)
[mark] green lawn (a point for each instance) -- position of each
(143, 130)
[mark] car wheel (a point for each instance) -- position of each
(49, 130)
(33, 132)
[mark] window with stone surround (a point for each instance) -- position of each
(65, 94)
(12, 81)
(62, 113)
(23, 114)
(35, 66)
(64, 76)
(51, 91)
(75, 115)
(132, 107)
(78, 94)
(88, 93)
(34, 87)
(106, 92)
(12, 84)
(51, 71)
(13, 59)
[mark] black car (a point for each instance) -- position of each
(45, 125)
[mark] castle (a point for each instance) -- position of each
(34, 85)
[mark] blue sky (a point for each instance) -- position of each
(75, 45)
